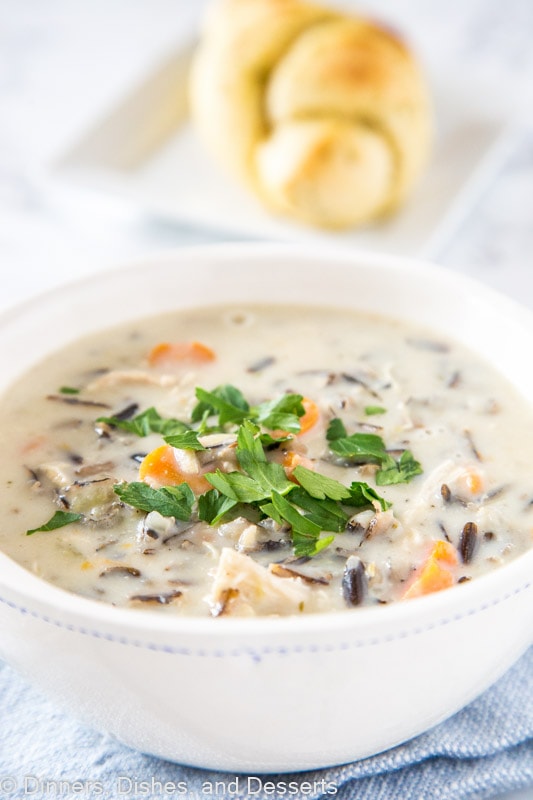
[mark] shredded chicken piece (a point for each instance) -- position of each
(242, 587)
(89, 470)
(380, 523)
(465, 482)
(130, 376)
(249, 539)
(242, 531)
(54, 475)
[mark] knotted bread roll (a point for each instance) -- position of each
(325, 116)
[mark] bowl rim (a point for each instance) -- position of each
(441, 608)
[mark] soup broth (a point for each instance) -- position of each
(264, 461)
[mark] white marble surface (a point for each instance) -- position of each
(63, 62)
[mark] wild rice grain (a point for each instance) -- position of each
(468, 542)
(354, 582)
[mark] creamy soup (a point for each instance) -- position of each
(264, 460)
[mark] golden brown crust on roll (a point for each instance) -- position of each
(325, 116)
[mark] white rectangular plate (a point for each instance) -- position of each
(146, 150)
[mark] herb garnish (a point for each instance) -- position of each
(305, 532)
(226, 401)
(261, 489)
(401, 471)
(336, 430)
(364, 496)
(320, 486)
(149, 421)
(68, 390)
(361, 448)
(169, 501)
(213, 506)
(231, 406)
(311, 504)
(59, 520)
(368, 448)
(371, 411)
(188, 440)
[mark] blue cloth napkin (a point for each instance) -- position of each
(485, 749)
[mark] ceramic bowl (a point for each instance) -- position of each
(269, 694)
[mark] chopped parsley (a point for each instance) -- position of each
(229, 404)
(149, 421)
(368, 448)
(214, 506)
(188, 440)
(259, 489)
(310, 505)
(336, 430)
(401, 471)
(238, 487)
(68, 390)
(59, 520)
(363, 496)
(320, 486)
(226, 401)
(169, 501)
(371, 411)
(361, 448)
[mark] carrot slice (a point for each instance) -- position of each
(474, 483)
(445, 551)
(308, 419)
(311, 416)
(160, 468)
(291, 460)
(434, 575)
(433, 578)
(33, 444)
(165, 352)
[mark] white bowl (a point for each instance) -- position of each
(269, 695)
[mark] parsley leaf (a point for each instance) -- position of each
(169, 501)
(362, 448)
(251, 456)
(273, 441)
(363, 496)
(237, 486)
(371, 411)
(149, 421)
(227, 401)
(336, 430)
(59, 520)
(305, 533)
(204, 427)
(326, 513)
(212, 506)
(298, 522)
(320, 486)
(188, 440)
(68, 390)
(367, 448)
(270, 476)
(321, 544)
(281, 414)
(401, 471)
(249, 446)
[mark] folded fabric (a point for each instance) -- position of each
(485, 749)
